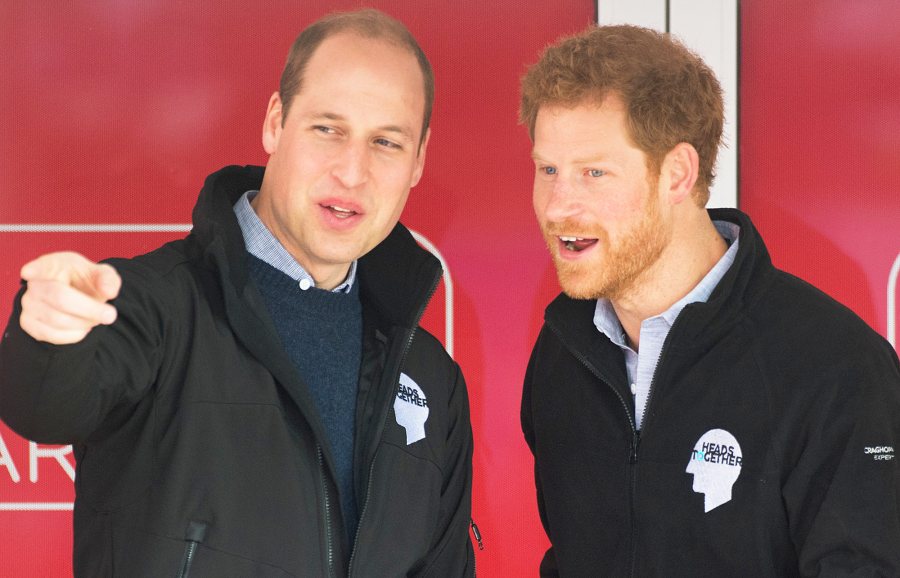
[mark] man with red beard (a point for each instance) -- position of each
(692, 410)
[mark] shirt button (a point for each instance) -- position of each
(305, 284)
(633, 389)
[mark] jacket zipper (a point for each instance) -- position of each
(394, 378)
(596, 374)
(328, 541)
(477, 535)
(195, 534)
(428, 571)
(635, 436)
(363, 513)
(659, 362)
(189, 550)
(635, 433)
(637, 440)
(635, 445)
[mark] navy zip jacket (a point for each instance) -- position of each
(768, 446)
(199, 450)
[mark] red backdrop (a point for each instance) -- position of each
(114, 113)
(820, 143)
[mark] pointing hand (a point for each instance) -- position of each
(67, 297)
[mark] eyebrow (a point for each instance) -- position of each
(591, 160)
(393, 128)
(582, 161)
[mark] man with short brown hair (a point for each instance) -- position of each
(257, 399)
(692, 410)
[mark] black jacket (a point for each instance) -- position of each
(808, 391)
(198, 445)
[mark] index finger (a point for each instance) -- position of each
(47, 297)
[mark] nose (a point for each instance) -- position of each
(351, 168)
(557, 200)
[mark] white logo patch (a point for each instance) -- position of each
(880, 453)
(411, 409)
(715, 464)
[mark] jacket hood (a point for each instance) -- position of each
(397, 277)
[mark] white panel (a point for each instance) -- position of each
(710, 28)
(648, 13)
(892, 302)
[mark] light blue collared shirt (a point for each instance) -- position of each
(263, 245)
(642, 366)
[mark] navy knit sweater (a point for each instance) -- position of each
(322, 333)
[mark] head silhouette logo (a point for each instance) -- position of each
(715, 464)
(411, 409)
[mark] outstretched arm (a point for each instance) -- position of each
(68, 357)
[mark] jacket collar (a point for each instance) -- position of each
(397, 278)
(704, 322)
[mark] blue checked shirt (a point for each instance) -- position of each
(263, 245)
(641, 366)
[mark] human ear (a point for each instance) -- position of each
(272, 124)
(420, 158)
(681, 167)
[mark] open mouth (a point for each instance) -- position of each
(577, 244)
(340, 212)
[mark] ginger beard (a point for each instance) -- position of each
(615, 268)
